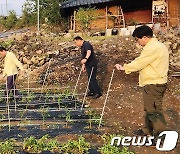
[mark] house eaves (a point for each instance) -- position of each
(77, 3)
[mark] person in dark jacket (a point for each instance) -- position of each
(89, 63)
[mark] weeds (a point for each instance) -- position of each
(53, 146)
(60, 97)
(8, 147)
(21, 114)
(7, 44)
(107, 148)
(93, 117)
(47, 97)
(67, 93)
(68, 117)
(33, 145)
(80, 146)
(2, 116)
(44, 113)
(30, 97)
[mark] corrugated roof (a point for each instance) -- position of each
(73, 3)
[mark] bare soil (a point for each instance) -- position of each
(124, 110)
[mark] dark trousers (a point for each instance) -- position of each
(154, 118)
(11, 85)
(93, 85)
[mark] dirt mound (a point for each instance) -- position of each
(35, 50)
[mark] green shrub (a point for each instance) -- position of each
(6, 44)
(107, 148)
(8, 147)
(9, 21)
(85, 16)
(33, 145)
(80, 146)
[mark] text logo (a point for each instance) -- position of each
(166, 141)
(170, 141)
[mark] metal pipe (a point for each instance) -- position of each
(77, 81)
(7, 102)
(28, 80)
(38, 20)
(87, 88)
(106, 98)
(14, 90)
(46, 75)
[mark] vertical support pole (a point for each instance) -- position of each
(14, 92)
(106, 18)
(70, 20)
(87, 88)
(167, 13)
(38, 21)
(152, 12)
(2, 10)
(76, 88)
(74, 23)
(7, 102)
(45, 77)
(6, 8)
(28, 80)
(118, 10)
(77, 82)
(107, 94)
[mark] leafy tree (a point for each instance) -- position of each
(9, 21)
(49, 11)
(85, 16)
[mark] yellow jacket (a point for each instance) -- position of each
(10, 64)
(152, 64)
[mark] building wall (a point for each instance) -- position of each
(174, 12)
(140, 16)
(100, 22)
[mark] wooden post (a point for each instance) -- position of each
(106, 18)
(71, 22)
(74, 24)
(152, 13)
(167, 13)
(118, 10)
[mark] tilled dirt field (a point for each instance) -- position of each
(124, 111)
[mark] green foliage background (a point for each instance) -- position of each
(50, 13)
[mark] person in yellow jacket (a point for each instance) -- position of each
(153, 65)
(11, 64)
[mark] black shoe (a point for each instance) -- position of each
(139, 132)
(97, 96)
(90, 94)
